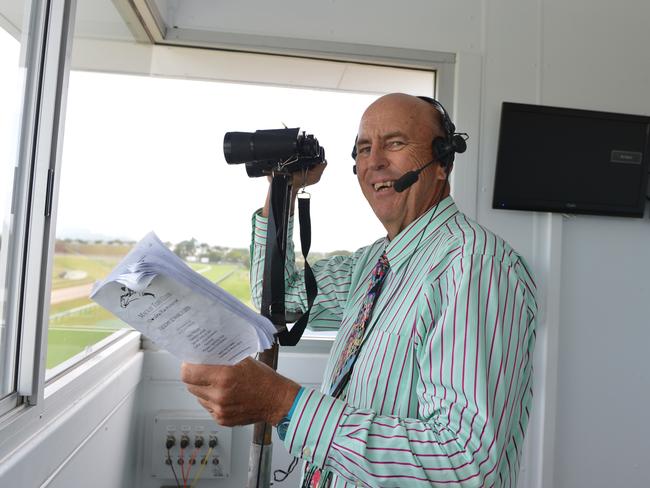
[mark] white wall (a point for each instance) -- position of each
(162, 390)
(83, 433)
(596, 56)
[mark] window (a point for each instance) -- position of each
(147, 155)
(13, 190)
(143, 151)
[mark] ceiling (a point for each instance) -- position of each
(225, 25)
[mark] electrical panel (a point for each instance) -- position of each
(192, 443)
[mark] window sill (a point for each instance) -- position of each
(24, 427)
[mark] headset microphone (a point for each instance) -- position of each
(407, 179)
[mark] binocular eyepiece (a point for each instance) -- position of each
(265, 151)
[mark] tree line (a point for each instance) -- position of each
(190, 248)
(214, 254)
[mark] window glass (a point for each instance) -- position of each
(131, 164)
(11, 97)
(145, 153)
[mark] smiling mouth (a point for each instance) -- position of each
(383, 185)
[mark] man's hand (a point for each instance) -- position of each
(245, 393)
(299, 180)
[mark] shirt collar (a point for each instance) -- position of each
(402, 247)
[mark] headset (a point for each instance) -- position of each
(444, 148)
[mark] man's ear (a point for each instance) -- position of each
(442, 171)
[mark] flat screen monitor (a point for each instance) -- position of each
(571, 161)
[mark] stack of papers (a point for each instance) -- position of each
(155, 292)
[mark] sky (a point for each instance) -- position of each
(143, 153)
(9, 106)
(147, 154)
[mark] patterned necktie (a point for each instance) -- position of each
(343, 369)
(346, 359)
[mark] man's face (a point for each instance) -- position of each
(395, 136)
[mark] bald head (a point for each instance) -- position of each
(411, 111)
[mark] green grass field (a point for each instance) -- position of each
(96, 267)
(231, 277)
(78, 323)
(63, 344)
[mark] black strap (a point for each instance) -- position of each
(291, 337)
(273, 296)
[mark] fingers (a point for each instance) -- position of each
(191, 374)
(315, 173)
(247, 392)
(202, 392)
(200, 374)
(205, 404)
(228, 415)
(217, 413)
(318, 169)
(312, 176)
(213, 382)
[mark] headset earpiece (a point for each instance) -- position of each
(458, 143)
(354, 169)
(354, 148)
(445, 149)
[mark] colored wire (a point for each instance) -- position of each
(200, 471)
(182, 463)
(279, 475)
(171, 465)
(191, 462)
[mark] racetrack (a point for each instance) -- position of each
(70, 293)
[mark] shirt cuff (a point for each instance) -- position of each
(295, 402)
(313, 425)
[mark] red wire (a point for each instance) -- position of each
(192, 458)
(182, 457)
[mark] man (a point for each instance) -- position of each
(429, 379)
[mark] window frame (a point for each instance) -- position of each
(46, 64)
(21, 203)
(45, 156)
